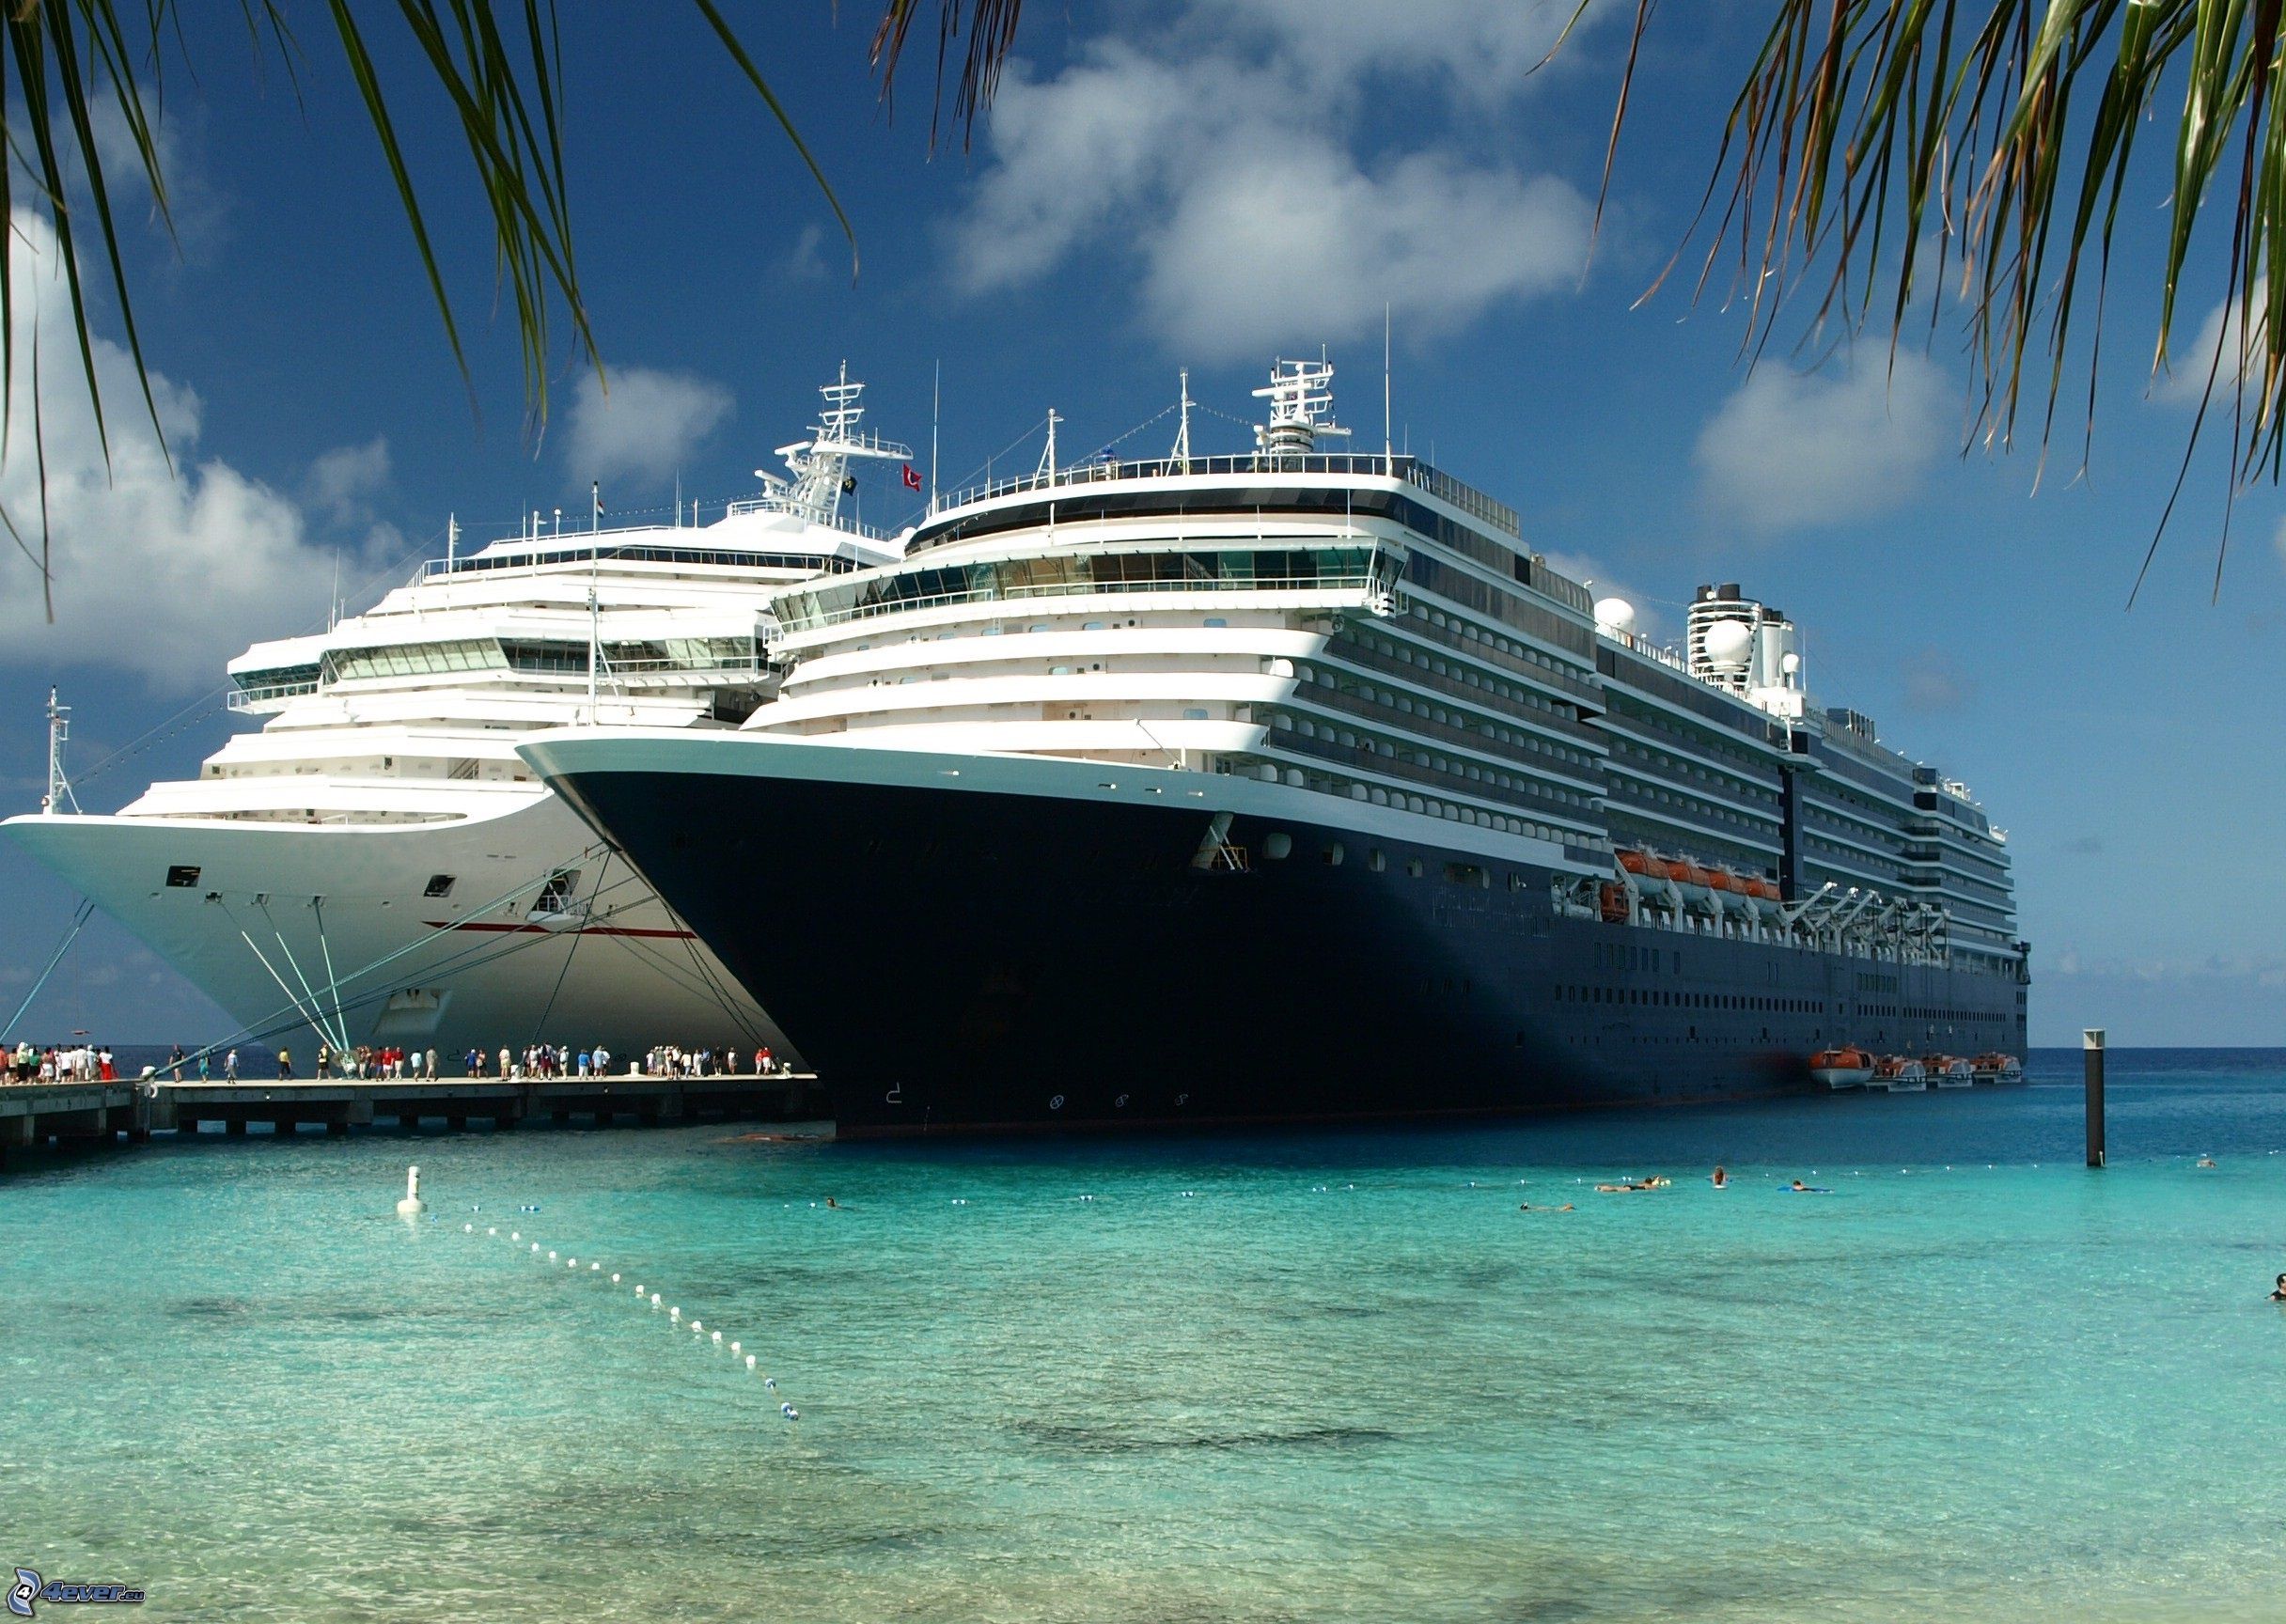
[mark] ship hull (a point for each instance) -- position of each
(245, 932)
(1044, 947)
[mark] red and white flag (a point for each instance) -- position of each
(913, 478)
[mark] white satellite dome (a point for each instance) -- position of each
(1615, 614)
(1728, 643)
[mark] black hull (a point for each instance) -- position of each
(972, 960)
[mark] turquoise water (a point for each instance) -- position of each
(1294, 1376)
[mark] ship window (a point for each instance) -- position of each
(1376, 860)
(1333, 855)
(439, 886)
(1216, 621)
(183, 874)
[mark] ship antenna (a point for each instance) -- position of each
(1047, 458)
(936, 393)
(1389, 459)
(1182, 435)
(452, 536)
(59, 787)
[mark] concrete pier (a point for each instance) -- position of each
(38, 1113)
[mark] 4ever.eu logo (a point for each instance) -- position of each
(29, 1589)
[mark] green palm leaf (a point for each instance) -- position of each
(2002, 131)
(499, 65)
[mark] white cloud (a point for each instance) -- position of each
(165, 572)
(341, 479)
(648, 426)
(1788, 450)
(2190, 364)
(1346, 242)
(1224, 156)
(1934, 680)
(806, 260)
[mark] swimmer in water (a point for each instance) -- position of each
(1799, 1185)
(2206, 1161)
(2278, 1295)
(1527, 1206)
(833, 1204)
(1721, 1178)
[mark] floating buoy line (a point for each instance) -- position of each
(523, 1245)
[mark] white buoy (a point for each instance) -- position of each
(615, 1280)
(654, 1299)
(717, 1335)
(674, 1313)
(411, 1205)
(735, 1349)
(551, 1256)
(573, 1264)
(592, 1268)
(696, 1326)
(789, 1412)
(749, 1361)
(492, 1232)
(468, 1228)
(515, 1234)
(535, 1245)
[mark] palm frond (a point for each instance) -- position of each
(991, 27)
(1868, 133)
(498, 64)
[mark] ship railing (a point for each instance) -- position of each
(1332, 581)
(571, 548)
(769, 505)
(1105, 471)
(265, 694)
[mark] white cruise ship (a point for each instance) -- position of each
(376, 866)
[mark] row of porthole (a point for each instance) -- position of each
(1426, 805)
(1278, 846)
(1577, 759)
(1407, 752)
(1466, 629)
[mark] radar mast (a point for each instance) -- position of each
(1301, 398)
(817, 469)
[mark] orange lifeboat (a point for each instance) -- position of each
(1848, 1066)
(1946, 1071)
(1900, 1075)
(1997, 1068)
(1642, 863)
(1611, 899)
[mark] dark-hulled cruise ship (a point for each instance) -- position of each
(1295, 785)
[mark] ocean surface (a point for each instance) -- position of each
(1297, 1376)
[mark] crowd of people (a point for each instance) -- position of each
(664, 1060)
(96, 1063)
(72, 1063)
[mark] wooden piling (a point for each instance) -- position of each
(2091, 1041)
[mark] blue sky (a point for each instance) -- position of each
(1204, 185)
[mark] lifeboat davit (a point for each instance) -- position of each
(1899, 1074)
(1997, 1068)
(1848, 1066)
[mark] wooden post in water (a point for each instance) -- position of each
(2092, 1040)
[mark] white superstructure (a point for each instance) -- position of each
(375, 863)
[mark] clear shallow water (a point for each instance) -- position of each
(1334, 1382)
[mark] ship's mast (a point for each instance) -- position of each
(1181, 453)
(59, 789)
(1301, 400)
(817, 469)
